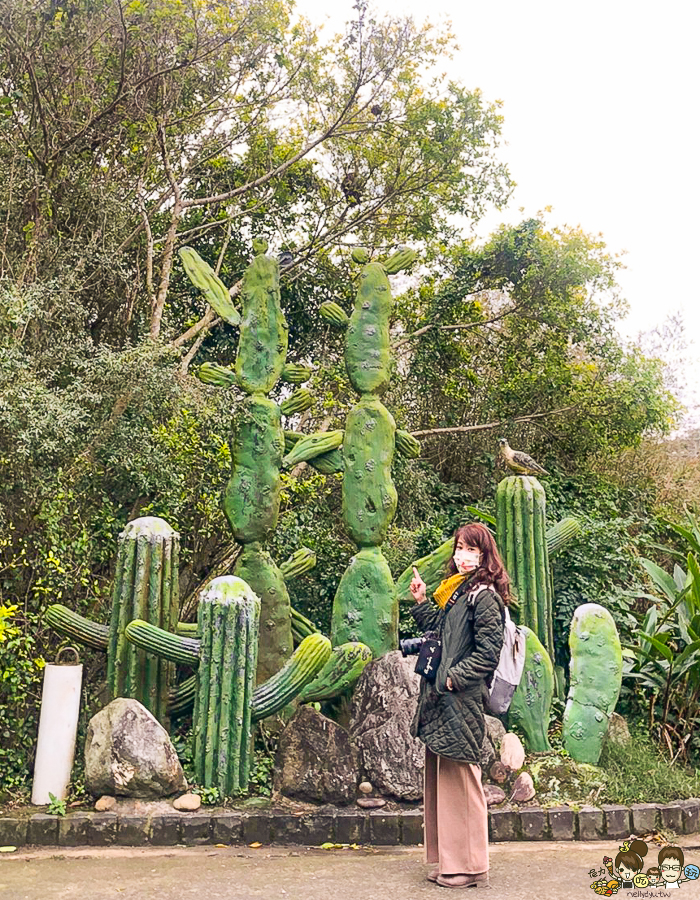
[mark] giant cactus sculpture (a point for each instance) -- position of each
(145, 587)
(226, 701)
(365, 606)
(521, 536)
(532, 700)
(252, 497)
(595, 681)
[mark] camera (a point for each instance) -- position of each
(411, 646)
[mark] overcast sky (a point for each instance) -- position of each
(600, 101)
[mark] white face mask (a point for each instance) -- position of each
(467, 560)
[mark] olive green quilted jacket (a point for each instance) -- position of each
(451, 723)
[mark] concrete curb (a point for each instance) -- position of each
(342, 826)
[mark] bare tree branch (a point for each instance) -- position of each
(461, 429)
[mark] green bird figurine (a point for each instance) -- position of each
(519, 462)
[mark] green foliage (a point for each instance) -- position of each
(56, 807)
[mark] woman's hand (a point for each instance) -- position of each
(449, 685)
(417, 587)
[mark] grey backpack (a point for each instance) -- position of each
(509, 670)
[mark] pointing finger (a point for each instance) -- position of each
(416, 573)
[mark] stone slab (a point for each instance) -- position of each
(591, 824)
(617, 821)
(73, 830)
(672, 818)
(227, 828)
(134, 831)
(13, 832)
(257, 828)
(351, 827)
(412, 827)
(196, 829)
(691, 816)
(533, 824)
(165, 830)
(562, 823)
(102, 829)
(504, 825)
(43, 829)
(383, 827)
(644, 817)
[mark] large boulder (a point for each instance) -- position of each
(128, 753)
(315, 760)
(383, 707)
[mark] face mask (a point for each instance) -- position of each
(466, 560)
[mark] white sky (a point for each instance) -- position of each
(600, 100)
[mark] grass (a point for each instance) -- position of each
(638, 773)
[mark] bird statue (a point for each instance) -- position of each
(520, 462)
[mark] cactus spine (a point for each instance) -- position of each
(145, 587)
(252, 497)
(595, 680)
(522, 540)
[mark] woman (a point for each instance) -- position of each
(469, 615)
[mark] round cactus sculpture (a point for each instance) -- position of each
(532, 700)
(365, 607)
(145, 587)
(226, 701)
(252, 498)
(522, 540)
(594, 684)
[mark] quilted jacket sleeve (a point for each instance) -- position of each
(488, 640)
(426, 614)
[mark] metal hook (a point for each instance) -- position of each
(69, 650)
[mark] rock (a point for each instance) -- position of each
(498, 772)
(315, 760)
(618, 730)
(493, 794)
(366, 787)
(495, 730)
(523, 788)
(128, 754)
(487, 754)
(188, 802)
(383, 707)
(512, 752)
(371, 802)
(104, 804)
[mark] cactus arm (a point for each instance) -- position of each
(155, 640)
(294, 373)
(305, 663)
(399, 261)
(77, 627)
(219, 376)
(334, 314)
(186, 629)
(596, 678)
(345, 665)
(406, 444)
(529, 708)
(298, 564)
(559, 535)
(301, 627)
(312, 445)
(298, 402)
(181, 697)
(205, 279)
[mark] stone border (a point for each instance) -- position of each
(342, 826)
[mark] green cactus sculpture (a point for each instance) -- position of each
(145, 587)
(252, 497)
(521, 537)
(595, 680)
(365, 607)
(226, 701)
(532, 700)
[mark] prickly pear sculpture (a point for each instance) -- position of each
(226, 701)
(595, 680)
(521, 536)
(365, 606)
(252, 497)
(532, 700)
(145, 587)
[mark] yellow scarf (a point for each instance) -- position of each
(447, 588)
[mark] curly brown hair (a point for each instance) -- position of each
(632, 858)
(491, 570)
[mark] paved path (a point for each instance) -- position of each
(541, 871)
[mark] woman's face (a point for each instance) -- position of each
(466, 557)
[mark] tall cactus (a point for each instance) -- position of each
(522, 539)
(365, 607)
(596, 678)
(145, 587)
(532, 700)
(226, 701)
(252, 498)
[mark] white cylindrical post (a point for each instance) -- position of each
(58, 727)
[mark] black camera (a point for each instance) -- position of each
(411, 646)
